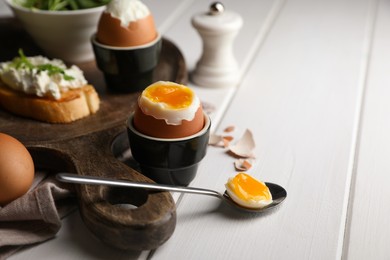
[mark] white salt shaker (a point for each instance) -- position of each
(217, 66)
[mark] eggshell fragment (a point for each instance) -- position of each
(243, 164)
(227, 140)
(229, 129)
(220, 140)
(244, 146)
(216, 140)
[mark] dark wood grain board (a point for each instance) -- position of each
(88, 147)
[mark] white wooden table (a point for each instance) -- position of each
(315, 92)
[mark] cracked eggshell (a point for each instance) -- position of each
(110, 32)
(126, 23)
(244, 146)
(158, 128)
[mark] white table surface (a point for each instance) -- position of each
(315, 92)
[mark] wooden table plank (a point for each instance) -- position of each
(302, 99)
(368, 229)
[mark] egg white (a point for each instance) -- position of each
(127, 11)
(161, 110)
(251, 203)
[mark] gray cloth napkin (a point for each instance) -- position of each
(36, 216)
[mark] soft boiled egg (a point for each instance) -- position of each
(126, 23)
(248, 192)
(16, 169)
(168, 110)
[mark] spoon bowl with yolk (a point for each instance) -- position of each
(248, 192)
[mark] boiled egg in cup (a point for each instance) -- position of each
(168, 133)
(168, 110)
(127, 46)
(248, 192)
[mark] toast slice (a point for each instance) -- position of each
(73, 105)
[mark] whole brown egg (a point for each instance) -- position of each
(16, 169)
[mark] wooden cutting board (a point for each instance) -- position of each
(90, 147)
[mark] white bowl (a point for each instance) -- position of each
(64, 35)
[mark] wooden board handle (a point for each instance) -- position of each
(107, 211)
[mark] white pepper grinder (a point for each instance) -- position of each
(217, 66)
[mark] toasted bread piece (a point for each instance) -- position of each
(73, 105)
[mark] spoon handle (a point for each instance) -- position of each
(79, 179)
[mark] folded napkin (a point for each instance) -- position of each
(36, 216)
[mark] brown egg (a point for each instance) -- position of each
(16, 169)
(111, 32)
(167, 101)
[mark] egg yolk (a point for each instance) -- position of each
(175, 97)
(248, 188)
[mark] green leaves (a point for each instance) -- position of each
(60, 5)
(22, 62)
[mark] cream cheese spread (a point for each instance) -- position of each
(40, 76)
(127, 11)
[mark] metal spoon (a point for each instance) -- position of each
(278, 192)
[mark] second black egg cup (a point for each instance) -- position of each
(127, 69)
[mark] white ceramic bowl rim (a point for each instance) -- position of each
(146, 45)
(53, 13)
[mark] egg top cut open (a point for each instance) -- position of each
(248, 192)
(168, 110)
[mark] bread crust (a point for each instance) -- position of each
(73, 105)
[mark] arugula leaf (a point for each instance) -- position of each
(56, 5)
(23, 62)
(60, 5)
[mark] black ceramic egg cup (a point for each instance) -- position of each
(169, 160)
(127, 69)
